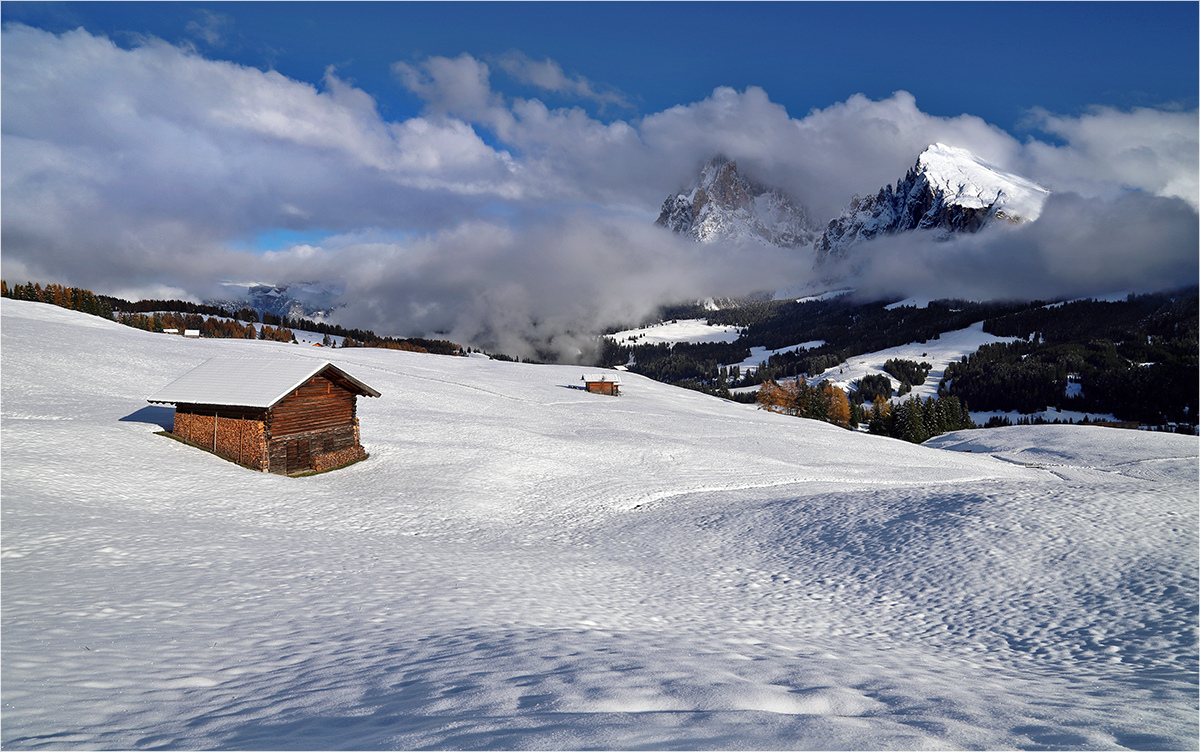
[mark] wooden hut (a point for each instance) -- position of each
(286, 416)
(602, 383)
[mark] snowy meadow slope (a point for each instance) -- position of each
(520, 564)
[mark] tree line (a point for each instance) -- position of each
(824, 401)
(914, 419)
(1135, 359)
(74, 298)
(844, 328)
(211, 327)
(157, 315)
(365, 337)
(918, 420)
(180, 306)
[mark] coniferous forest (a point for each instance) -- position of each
(1135, 359)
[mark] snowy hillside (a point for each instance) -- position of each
(938, 353)
(523, 565)
(679, 330)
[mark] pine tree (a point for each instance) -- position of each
(816, 406)
(929, 418)
(857, 416)
(908, 423)
(881, 417)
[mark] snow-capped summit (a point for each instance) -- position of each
(724, 206)
(949, 190)
(966, 180)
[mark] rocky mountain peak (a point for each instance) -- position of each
(724, 206)
(949, 190)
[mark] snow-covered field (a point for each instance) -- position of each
(521, 564)
(694, 331)
(938, 353)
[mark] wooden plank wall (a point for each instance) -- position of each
(315, 428)
(315, 450)
(319, 405)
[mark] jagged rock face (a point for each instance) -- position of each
(948, 191)
(676, 214)
(724, 206)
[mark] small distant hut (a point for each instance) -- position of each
(602, 383)
(192, 333)
(282, 416)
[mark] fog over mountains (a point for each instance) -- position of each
(725, 207)
(949, 191)
(150, 171)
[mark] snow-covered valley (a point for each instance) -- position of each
(523, 565)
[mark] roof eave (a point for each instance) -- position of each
(326, 366)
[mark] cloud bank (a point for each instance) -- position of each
(489, 216)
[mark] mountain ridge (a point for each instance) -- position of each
(724, 205)
(293, 300)
(949, 190)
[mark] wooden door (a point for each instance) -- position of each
(299, 458)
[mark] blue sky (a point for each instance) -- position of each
(469, 168)
(993, 60)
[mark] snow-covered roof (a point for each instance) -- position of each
(593, 378)
(251, 382)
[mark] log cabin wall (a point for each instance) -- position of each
(313, 428)
(319, 405)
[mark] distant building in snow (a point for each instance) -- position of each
(170, 331)
(602, 383)
(281, 416)
(193, 333)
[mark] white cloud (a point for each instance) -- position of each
(1077, 247)
(209, 27)
(151, 166)
(458, 87)
(548, 75)
(105, 147)
(1107, 150)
